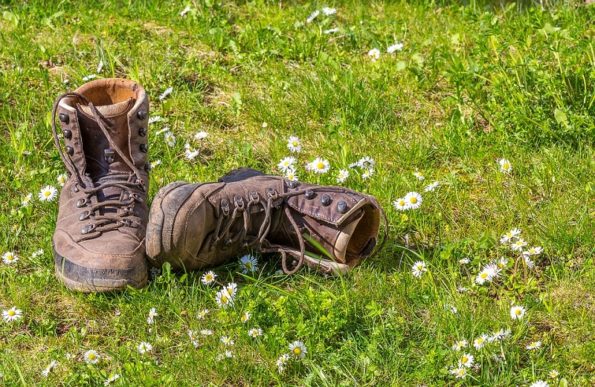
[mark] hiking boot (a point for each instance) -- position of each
(194, 226)
(99, 242)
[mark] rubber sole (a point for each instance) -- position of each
(86, 280)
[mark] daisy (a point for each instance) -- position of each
(466, 360)
(12, 314)
(413, 200)
(223, 299)
(517, 312)
(201, 135)
(91, 357)
(170, 139)
(208, 277)
(286, 163)
(459, 373)
(366, 162)
(457, 346)
(37, 253)
(394, 48)
(202, 314)
(111, 379)
(291, 175)
(144, 347)
(330, 31)
(518, 245)
(401, 204)
(534, 345)
(245, 317)
(49, 368)
(488, 274)
(464, 261)
(185, 11)
(227, 341)
(155, 163)
(505, 166)
(539, 383)
(502, 262)
(152, 315)
(189, 152)
(510, 235)
(418, 269)
(294, 144)
(536, 250)
(312, 16)
(342, 176)
(419, 176)
(89, 77)
(367, 174)
(255, 332)
(206, 332)
(553, 374)
(154, 119)
(374, 54)
(166, 93)
(62, 179)
(319, 166)
(282, 361)
(47, 193)
(26, 200)
(499, 335)
(99, 66)
(329, 11)
(231, 289)
(298, 349)
(528, 261)
(432, 186)
(479, 342)
(10, 258)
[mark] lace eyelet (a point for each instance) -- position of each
(239, 202)
(87, 229)
(81, 203)
(84, 215)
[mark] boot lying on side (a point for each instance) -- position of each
(194, 226)
(100, 231)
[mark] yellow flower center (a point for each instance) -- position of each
(320, 165)
(297, 350)
(464, 359)
(224, 299)
(11, 313)
(517, 312)
(91, 356)
(47, 194)
(413, 200)
(484, 275)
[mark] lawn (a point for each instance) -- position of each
(494, 102)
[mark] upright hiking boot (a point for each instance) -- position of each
(194, 226)
(99, 242)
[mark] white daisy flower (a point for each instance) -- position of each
(488, 274)
(374, 54)
(517, 312)
(255, 332)
(91, 357)
(166, 93)
(536, 250)
(61, 179)
(202, 314)
(190, 153)
(12, 314)
(367, 174)
(111, 379)
(528, 261)
(413, 200)
(330, 31)
(282, 362)
(291, 174)
(208, 277)
(206, 332)
(505, 166)
(457, 346)
(286, 163)
(419, 176)
(534, 345)
(154, 119)
(510, 236)
(89, 77)
(342, 176)
(366, 162)
(319, 166)
(10, 258)
(499, 335)
(170, 139)
(432, 186)
(502, 262)
(401, 204)
(155, 163)
(539, 383)
(264, 125)
(394, 48)
(246, 317)
(464, 261)
(37, 253)
(26, 200)
(466, 360)
(223, 299)
(418, 269)
(479, 342)
(49, 368)
(553, 374)
(152, 315)
(99, 66)
(231, 289)
(462, 289)
(298, 349)
(185, 11)
(459, 372)
(144, 347)
(329, 11)
(518, 245)
(294, 144)
(47, 193)
(227, 341)
(199, 136)
(312, 16)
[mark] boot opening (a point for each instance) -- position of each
(109, 91)
(358, 238)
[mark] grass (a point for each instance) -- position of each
(474, 83)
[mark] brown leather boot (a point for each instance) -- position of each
(99, 242)
(193, 226)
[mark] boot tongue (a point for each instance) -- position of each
(344, 235)
(101, 158)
